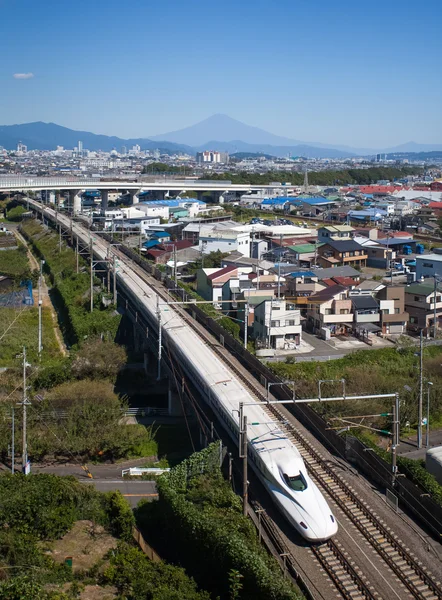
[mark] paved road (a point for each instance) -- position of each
(408, 446)
(132, 490)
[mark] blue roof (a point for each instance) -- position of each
(150, 244)
(318, 200)
(172, 203)
(274, 201)
(302, 274)
(160, 234)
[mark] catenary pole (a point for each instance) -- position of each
(421, 391)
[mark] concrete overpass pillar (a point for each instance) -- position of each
(104, 200)
(135, 196)
(173, 402)
(75, 201)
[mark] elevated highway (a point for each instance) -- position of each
(77, 186)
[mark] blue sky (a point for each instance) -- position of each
(357, 73)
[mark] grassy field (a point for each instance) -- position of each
(388, 370)
(18, 328)
(14, 263)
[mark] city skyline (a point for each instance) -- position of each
(336, 76)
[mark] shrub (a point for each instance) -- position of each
(199, 522)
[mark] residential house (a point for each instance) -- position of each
(330, 312)
(304, 254)
(164, 252)
(302, 284)
(274, 203)
(340, 253)
(428, 265)
(335, 232)
(315, 206)
(210, 282)
(276, 325)
(161, 236)
(394, 318)
(345, 271)
(368, 287)
(366, 314)
(420, 299)
(215, 238)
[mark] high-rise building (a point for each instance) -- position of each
(21, 147)
(80, 147)
(212, 156)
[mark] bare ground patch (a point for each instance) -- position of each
(87, 544)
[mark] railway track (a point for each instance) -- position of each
(331, 556)
(399, 559)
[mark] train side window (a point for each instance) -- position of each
(296, 482)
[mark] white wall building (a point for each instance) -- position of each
(212, 239)
(274, 323)
(152, 209)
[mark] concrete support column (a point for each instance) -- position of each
(146, 360)
(134, 194)
(75, 201)
(173, 403)
(104, 200)
(136, 338)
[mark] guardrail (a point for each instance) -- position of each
(146, 411)
(25, 182)
(141, 470)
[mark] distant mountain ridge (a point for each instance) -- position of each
(47, 136)
(218, 132)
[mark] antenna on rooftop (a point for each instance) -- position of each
(306, 182)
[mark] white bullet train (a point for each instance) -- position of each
(274, 458)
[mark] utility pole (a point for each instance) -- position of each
(40, 302)
(243, 455)
(59, 238)
(279, 268)
(175, 272)
(91, 251)
(435, 308)
(25, 403)
(421, 383)
(159, 338)
(114, 282)
(427, 425)
(13, 442)
(76, 255)
(269, 333)
(246, 323)
(395, 432)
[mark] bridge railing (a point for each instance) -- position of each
(8, 183)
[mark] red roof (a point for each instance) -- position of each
(379, 189)
(222, 272)
(347, 281)
(435, 205)
(179, 245)
(329, 282)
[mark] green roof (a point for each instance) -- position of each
(257, 299)
(420, 289)
(304, 248)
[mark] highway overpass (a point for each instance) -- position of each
(77, 186)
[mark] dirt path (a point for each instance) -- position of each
(46, 299)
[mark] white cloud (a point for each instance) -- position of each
(23, 75)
